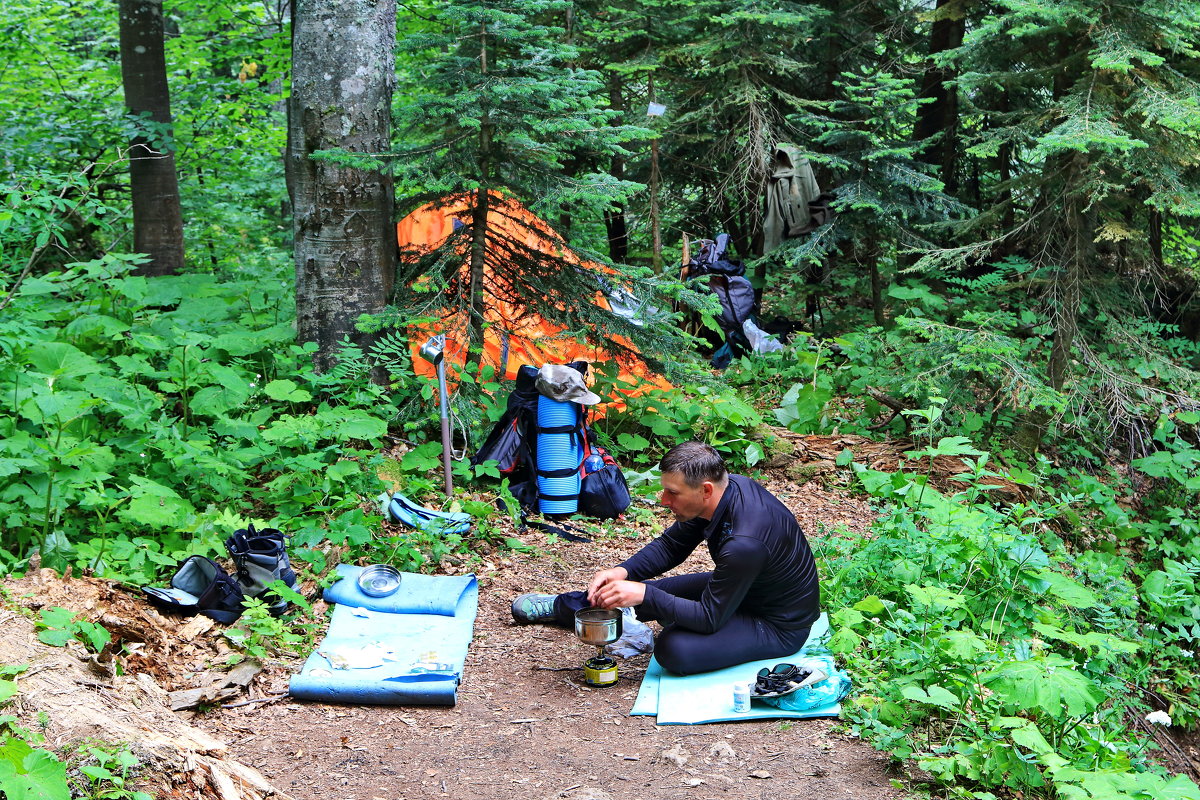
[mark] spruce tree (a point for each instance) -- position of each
(1091, 107)
(500, 110)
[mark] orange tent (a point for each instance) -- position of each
(515, 333)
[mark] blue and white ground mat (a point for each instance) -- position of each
(405, 649)
(708, 697)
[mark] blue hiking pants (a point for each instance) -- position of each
(742, 638)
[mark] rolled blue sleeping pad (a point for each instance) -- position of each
(558, 451)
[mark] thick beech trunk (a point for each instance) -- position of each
(157, 219)
(343, 72)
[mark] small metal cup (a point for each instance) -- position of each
(598, 626)
(433, 350)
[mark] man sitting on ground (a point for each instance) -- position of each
(759, 601)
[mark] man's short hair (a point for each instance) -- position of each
(697, 462)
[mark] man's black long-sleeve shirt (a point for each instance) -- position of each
(762, 564)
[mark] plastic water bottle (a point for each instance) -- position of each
(741, 697)
(593, 463)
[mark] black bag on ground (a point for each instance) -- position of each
(603, 493)
(201, 586)
(504, 444)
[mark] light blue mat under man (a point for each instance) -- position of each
(708, 697)
(407, 648)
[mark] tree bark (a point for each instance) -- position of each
(153, 183)
(940, 118)
(343, 73)
(615, 223)
(1080, 227)
(479, 226)
(876, 288)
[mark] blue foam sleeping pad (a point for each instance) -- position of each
(422, 632)
(558, 451)
(708, 697)
(418, 594)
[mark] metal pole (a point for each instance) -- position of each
(445, 406)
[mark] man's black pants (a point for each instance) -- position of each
(742, 638)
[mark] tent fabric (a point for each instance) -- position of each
(515, 333)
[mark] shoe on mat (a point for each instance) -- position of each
(533, 607)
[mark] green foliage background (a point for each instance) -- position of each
(1015, 290)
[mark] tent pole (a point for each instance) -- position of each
(445, 409)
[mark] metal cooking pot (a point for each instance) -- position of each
(598, 626)
(379, 580)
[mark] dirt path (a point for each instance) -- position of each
(526, 725)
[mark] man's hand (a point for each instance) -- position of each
(602, 579)
(620, 594)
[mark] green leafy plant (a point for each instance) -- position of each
(57, 626)
(109, 776)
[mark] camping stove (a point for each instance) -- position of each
(598, 627)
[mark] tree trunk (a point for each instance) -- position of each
(656, 257)
(940, 117)
(876, 288)
(615, 223)
(157, 218)
(1156, 240)
(1080, 226)
(479, 237)
(479, 227)
(343, 71)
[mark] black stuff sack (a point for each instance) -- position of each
(603, 493)
(200, 586)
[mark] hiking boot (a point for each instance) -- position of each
(532, 607)
(261, 558)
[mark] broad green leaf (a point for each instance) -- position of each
(361, 425)
(57, 550)
(342, 470)
(93, 635)
(948, 446)
(7, 690)
(287, 391)
(932, 695)
(1028, 736)
(55, 637)
(870, 605)
(56, 617)
(803, 407)
(844, 641)
(157, 511)
(631, 441)
(40, 776)
(95, 326)
(846, 618)
(754, 453)
(940, 696)
(1092, 640)
(1048, 684)
(934, 596)
(60, 360)
(1067, 590)
(963, 645)
(422, 458)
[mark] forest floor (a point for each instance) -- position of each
(527, 725)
